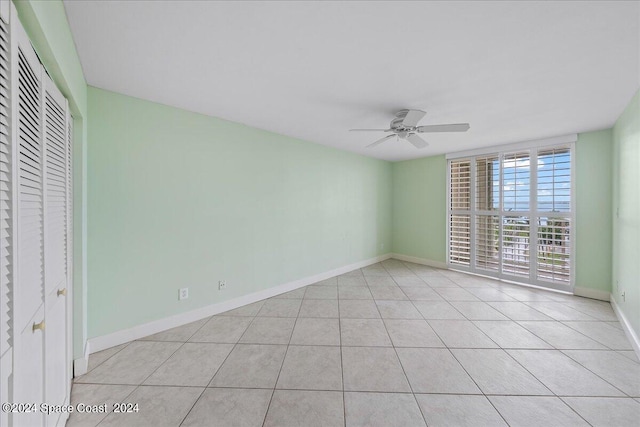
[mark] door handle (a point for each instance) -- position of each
(62, 291)
(37, 326)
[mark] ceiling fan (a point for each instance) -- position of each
(405, 126)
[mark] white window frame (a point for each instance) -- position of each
(532, 147)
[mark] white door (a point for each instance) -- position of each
(35, 224)
(28, 146)
(29, 371)
(28, 288)
(55, 254)
(6, 216)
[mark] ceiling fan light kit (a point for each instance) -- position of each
(405, 126)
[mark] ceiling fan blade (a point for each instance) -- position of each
(412, 118)
(380, 141)
(416, 141)
(369, 130)
(457, 127)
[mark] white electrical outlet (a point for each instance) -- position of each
(183, 293)
(222, 285)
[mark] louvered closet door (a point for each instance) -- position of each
(30, 183)
(69, 239)
(28, 378)
(6, 217)
(55, 239)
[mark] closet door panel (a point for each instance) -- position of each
(29, 287)
(29, 371)
(55, 254)
(55, 188)
(6, 193)
(69, 240)
(6, 216)
(55, 353)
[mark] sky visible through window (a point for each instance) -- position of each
(554, 182)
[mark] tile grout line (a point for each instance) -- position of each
(473, 379)
(275, 385)
(553, 347)
(382, 392)
(477, 385)
(344, 404)
(222, 363)
(125, 346)
(464, 369)
(528, 304)
(573, 410)
(217, 370)
(395, 351)
(504, 350)
(137, 386)
(597, 375)
(582, 333)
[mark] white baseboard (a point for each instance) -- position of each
(120, 337)
(591, 293)
(81, 365)
(626, 326)
(416, 260)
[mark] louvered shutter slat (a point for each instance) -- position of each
(6, 232)
(487, 242)
(69, 235)
(515, 245)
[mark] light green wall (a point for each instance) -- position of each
(593, 210)
(419, 208)
(626, 212)
(46, 24)
(178, 199)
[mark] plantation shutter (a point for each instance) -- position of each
(6, 216)
(517, 221)
(516, 169)
(487, 242)
(30, 185)
(459, 218)
(515, 246)
(487, 220)
(554, 207)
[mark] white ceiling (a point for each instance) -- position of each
(514, 70)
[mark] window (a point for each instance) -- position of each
(510, 215)
(459, 218)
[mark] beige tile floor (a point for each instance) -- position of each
(393, 344)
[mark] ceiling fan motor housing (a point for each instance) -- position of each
(396, 124)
